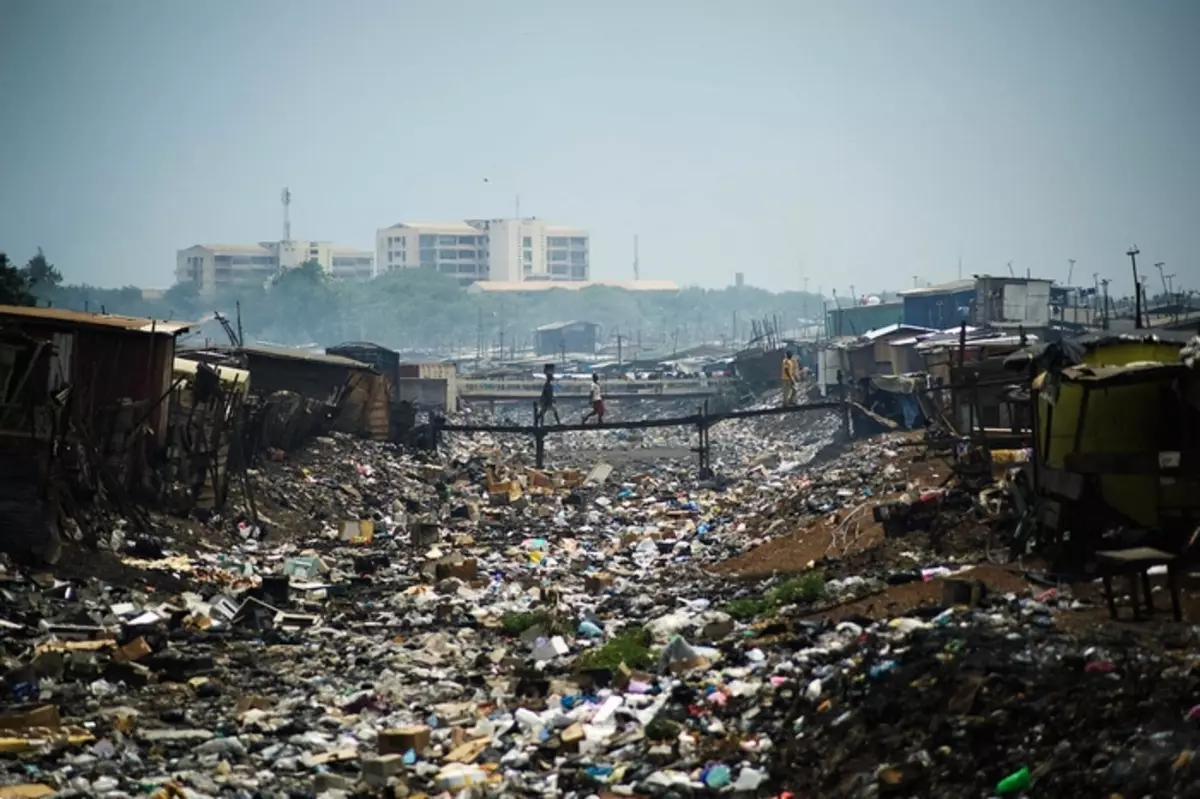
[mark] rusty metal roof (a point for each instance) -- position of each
(68, 317)
(296, 354)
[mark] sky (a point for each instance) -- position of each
(844, 143)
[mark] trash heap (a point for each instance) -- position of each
(396, 625)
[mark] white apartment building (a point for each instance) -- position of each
(506, 250)
(213, 266)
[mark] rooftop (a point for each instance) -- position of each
(871, 335)
(240, 249)
(68, 317)
(562, 325)
(966, 284)
(437, 227)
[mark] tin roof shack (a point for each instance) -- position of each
(385, 361)
(940, 306)
(117, 367)
(428, 386)
(354, 395)
(1118, 447)
(560, 338)
(977, 385)
(854, 320)
(1008, 303)
(82, 405)
(871, 353)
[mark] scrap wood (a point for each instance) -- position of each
(37, 737)
(28, 790)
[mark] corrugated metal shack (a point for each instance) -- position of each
(83, 407)
(939, 306)
(384, 360)
(354, 395)
(566, 337)
(115, 366)
(429, 385)
(855, 320)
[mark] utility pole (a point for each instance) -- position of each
(1159, 266)
(1137, 295)
(1070, 271)
(1104, 283)
(805, 301)
(620, 339)
(479, 338)
(1011, 273)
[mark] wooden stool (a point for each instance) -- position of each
(1135, 564)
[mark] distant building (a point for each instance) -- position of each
(503, 250)
(566, 337)
(215, 266)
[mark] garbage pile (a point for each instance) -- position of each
(982, 704)
(402, 625)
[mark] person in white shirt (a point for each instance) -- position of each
(597, 402)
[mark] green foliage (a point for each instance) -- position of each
(14, 286)
(419, 309)
(803, 589)
(631, 647)
(517, 623)
(41, 275)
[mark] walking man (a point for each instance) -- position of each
(597, 402)
(788, 379)
(546, 403)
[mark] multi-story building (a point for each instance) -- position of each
(506, 250)
(214, 266)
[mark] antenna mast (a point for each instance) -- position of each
(637, 270)
(286, 197)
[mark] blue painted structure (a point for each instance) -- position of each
(941, 306)
(855, 320)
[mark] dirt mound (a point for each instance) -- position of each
(834, 536)
(900, 599)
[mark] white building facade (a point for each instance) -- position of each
(507, 250)
(216, 266)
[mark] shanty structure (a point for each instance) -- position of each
(83, 408)
(855, 320)
(939, 306)
(356, 393)
(566, 337)
(118, 368)
(384, 360)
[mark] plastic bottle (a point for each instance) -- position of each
(1015, 783)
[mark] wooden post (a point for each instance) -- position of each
(844, 396)
(539, 437)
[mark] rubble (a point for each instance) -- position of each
(400, 624)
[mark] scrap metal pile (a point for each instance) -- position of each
(403, 625)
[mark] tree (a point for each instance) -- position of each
(182, 301)
(41, 272)
(14, 286)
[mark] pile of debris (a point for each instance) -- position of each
(404, 624)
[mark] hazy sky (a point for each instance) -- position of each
(854, 142)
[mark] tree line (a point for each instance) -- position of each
(421, 310)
